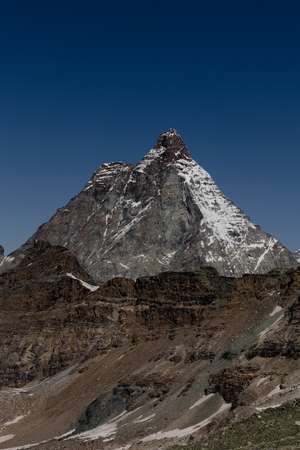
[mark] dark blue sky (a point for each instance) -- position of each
(81, 84)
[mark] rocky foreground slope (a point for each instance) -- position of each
(141, 364)
(163, 214)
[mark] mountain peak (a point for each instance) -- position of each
(164, 214)
(169, 148)
(173, 144)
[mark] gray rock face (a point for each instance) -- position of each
(163, 214)
(1, 253)
(297, 256)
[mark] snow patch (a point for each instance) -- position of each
(23, 447)
(276, 310)
(142, 419)
(151, 156)
(202, 400)
(105, 430)
(12, 422)
(297, 255)
(264, 408)
(269, 248)
(88, 286)
(127, 447)
(271, 327)
(62, 436)
(179, 433)
(7, 437)
(7, 260)
(261, 381)
(275, 391)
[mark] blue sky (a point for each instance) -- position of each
(81, 84)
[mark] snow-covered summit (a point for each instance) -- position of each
(163, 214)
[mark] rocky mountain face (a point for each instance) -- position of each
(297, 256)
(141, 364)
(163, 214)
(1, 253)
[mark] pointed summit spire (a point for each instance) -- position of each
(169, 148)
(174, 145)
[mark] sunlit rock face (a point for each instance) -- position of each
(163, 214)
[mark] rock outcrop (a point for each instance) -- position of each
(230, 382)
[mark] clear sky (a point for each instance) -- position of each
(81, 84)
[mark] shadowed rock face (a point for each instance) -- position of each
(163, 214)
(174, 147)
(231, 382)
(31, 297)
(1, 253)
